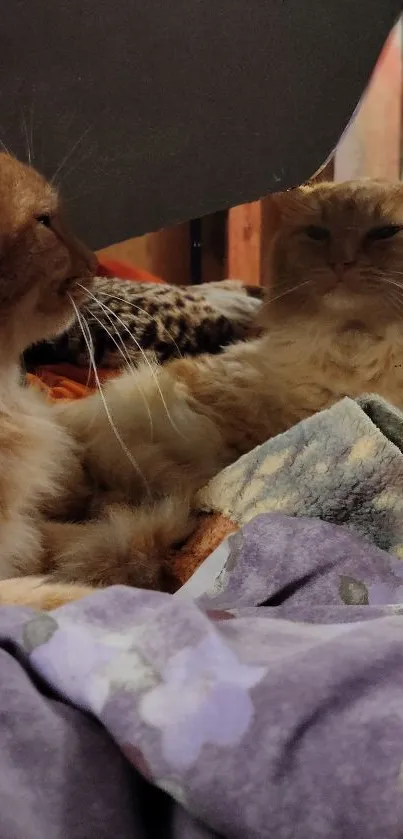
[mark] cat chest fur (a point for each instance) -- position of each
(342, 362)
(36, 462)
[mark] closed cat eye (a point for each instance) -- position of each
(319, 234)
(384, 232)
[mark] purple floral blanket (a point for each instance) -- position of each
(264, 699)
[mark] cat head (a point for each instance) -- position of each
(339, 250)
(41, 263)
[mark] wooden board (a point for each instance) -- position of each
(251, 229)
(164, 254)
(245, 243)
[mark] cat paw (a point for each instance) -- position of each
(232, 300)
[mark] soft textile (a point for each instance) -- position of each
(343, 465)
(270, 706)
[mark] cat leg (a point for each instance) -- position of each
(126, 546)
(170, 429)
(144, 436)
(39, 593)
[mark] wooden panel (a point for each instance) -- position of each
(251, 229)
(169, 254)
(165, 254)
(270, 225)
(214, 247)
(244, 243)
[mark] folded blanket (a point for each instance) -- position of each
(343, 465)
(265, 707)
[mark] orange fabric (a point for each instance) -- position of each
(125, 271)
(64, 381)
(211, 530)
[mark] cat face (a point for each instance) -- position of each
(41, 263)
(343, 245)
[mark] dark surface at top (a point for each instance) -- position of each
(170, 110)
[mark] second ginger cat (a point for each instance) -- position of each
(332, 326)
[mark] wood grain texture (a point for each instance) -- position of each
(165, 253)
(245, 243)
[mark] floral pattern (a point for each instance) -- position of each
(190, 706)
(227, 703)
(280, 683)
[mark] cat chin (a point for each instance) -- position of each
(338, 300)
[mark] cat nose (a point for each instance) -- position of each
(341, 268)
(340, 265)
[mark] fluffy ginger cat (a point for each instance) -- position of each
(331, 327)
(40, 263)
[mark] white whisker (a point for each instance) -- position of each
(31, 129)
(289, 291)
(67, 172)
(390, 282)
(67, 157)
(132, 369)
(24, 125)
(394, 291)
(147, 360)
(395, 273)
(90, 349)
(5, 148)
(144, 312)
(88, 340)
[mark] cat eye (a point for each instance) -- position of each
(384, 232)
(318, 234)
(44, 219)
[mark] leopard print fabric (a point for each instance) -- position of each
(125, 318)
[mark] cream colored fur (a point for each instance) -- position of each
(331, 327)
(217, 408)
(36, 455)
(40, 263)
